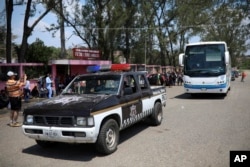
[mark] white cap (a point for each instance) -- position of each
(10, 73)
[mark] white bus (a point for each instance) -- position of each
(206, 68)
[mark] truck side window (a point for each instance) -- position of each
(142, 82)
(129, 81)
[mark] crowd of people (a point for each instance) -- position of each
(168, 79)
(40, 89)
(47, 87)
(18, 90)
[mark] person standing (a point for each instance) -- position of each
(243, 76)
(14, 89)
(49, 85)
(27, 91)
(179, 78)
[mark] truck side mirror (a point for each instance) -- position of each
(181, 59)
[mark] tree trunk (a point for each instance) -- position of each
(9, 10)
(62, 32)
(28, 30)
(26, 33)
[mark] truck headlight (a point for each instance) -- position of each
(82, 121)
(30, 119)
(85, 121)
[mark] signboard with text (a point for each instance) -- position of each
(86, 54)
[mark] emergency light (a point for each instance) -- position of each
(120, 67)
(112, 67)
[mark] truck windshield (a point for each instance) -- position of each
(94, 84)
(205, 60)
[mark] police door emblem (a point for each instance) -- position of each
(133, 111)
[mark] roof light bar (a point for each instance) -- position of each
(112, 67)
(120, 67)
(93, 68)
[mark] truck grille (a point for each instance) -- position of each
(54, 121)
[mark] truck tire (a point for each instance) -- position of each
(45, 144)
(157, 115)
(108, 138)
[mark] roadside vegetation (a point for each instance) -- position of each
(151, 32)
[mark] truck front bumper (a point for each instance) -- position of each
(61, 134)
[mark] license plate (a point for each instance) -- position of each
(203, 89)
(51, 133)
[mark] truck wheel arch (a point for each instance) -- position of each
(116, 117)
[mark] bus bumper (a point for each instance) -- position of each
(206, 88)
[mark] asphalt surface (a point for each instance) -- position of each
(195, 132)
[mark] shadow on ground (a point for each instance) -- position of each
(81, 152)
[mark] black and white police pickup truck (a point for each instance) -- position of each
(94, 108)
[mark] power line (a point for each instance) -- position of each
(162, 27)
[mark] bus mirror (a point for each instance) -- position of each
(181, 59)
(227, 57)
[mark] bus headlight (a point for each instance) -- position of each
(221, 82)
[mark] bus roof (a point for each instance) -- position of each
(206, 42)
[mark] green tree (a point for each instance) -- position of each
(227, 24)
(152, 31)
(212, 20)
(27, 30)
(39, 53)
(64, 16)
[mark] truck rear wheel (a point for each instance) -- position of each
(157, 115)
(108, 138)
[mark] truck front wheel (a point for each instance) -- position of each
(157, 115)
(108, 137)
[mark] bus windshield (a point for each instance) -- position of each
(205, 60)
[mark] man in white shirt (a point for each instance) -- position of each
(49, 85)
(27, 91)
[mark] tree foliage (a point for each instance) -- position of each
(227, 24)
(38, 52)
(152, 31)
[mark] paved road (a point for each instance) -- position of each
(195, 132)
